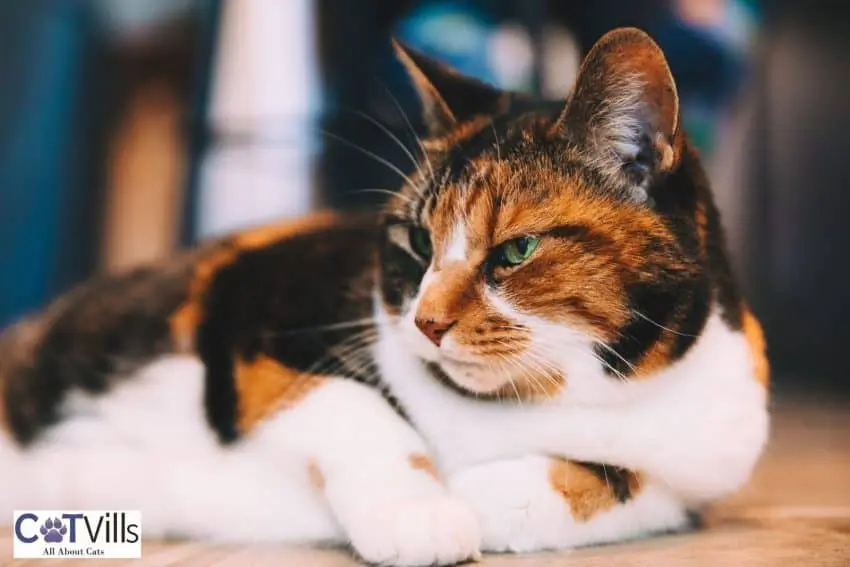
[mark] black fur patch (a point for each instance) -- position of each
(655, 304)
(295, 301)
(401, 274)
(104, 329)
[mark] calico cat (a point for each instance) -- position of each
(538, 344)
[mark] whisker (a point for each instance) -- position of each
(393, 137)
(549, 369)
(660, 326)
(372, 155)
(611, 349)
(534, 368)
(412, 131)
(329, 327)
(607, 365)
(327, 361)
(379, 191)
(511, 381)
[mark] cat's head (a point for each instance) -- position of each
(543, 246)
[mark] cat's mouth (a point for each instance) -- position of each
(464, 371)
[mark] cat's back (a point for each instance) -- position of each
(232, 291)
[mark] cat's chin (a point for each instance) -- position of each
(475, 378)
(467, 379)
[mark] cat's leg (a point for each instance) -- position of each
(373, 470)
(145, 445)
(703, 445)
(337, 465)
(536, 503)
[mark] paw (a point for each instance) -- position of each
(517, 509)
(436, 530)
(53, 530)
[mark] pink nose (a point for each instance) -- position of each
(434, 329)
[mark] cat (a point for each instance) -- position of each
(537, 344)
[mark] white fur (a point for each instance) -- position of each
(695, 429)
(457, 246)
(519, 511)
(146, 446)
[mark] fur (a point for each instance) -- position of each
(398, 382)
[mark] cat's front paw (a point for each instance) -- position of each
(435, 530)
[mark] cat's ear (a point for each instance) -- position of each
(448, 98)
(625, 107)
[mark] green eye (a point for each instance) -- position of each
(518, 250)
(420, 242)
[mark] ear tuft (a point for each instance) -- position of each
(448, 98)
(625, 105)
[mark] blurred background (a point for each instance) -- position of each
(132, 128)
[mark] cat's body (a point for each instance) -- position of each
(537, 345)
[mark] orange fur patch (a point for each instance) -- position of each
(758, 346)
(265, 386)
(586, 494)
(657, 357)
(185, 320)
(261, 236)
(421, 462)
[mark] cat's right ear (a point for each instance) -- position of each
(448, 98)
(625, 107)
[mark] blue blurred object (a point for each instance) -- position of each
(710, 59)
(456, 33)
(41, 51)
(707, 44)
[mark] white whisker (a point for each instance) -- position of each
(660, 326)
(373, 155)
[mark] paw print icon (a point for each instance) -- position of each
(53, 530)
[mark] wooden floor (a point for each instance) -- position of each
(796, 511)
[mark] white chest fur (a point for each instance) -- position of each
(698, 426)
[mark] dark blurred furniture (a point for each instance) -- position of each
(800, 265)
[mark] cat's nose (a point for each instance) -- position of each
(434, 329)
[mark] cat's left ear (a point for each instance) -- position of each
(625, 107)
(448, 98)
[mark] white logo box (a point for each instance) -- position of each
(77, 534)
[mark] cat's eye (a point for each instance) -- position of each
(517, 251)
(420, 242)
